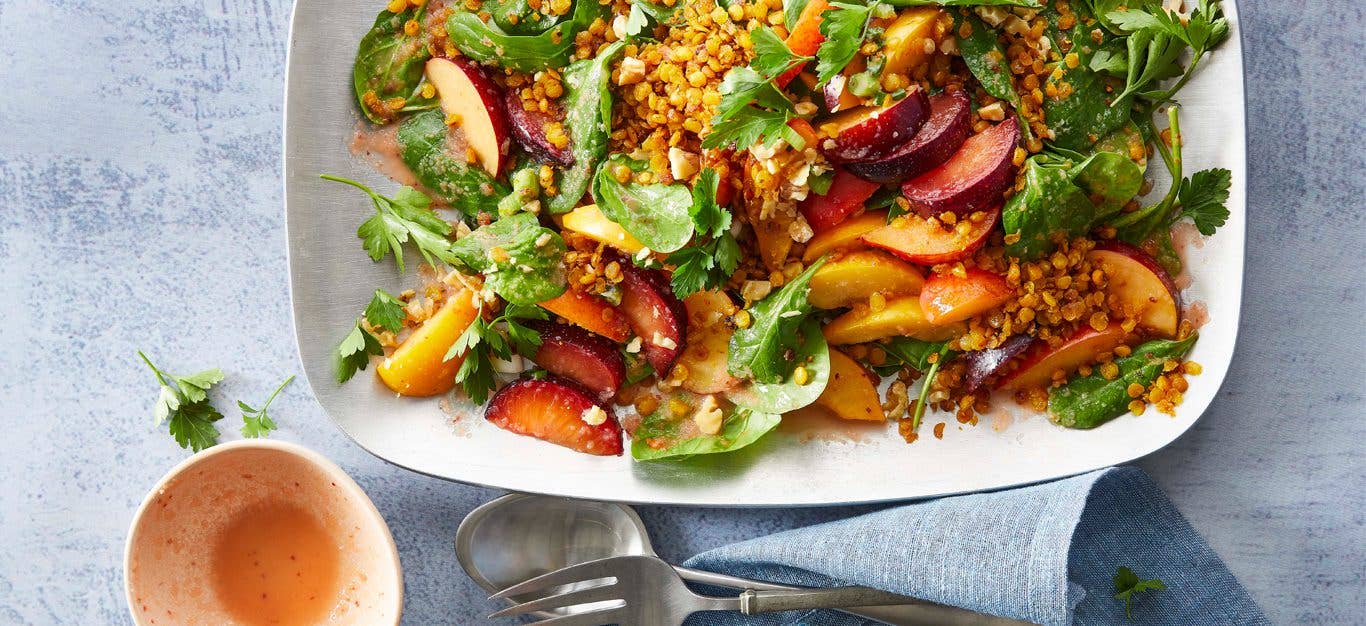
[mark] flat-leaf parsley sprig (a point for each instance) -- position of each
(354, 352)
(752, 106)
(257, 422)
(406, 216)
(710, 263)
(482, 341)
(184, 404)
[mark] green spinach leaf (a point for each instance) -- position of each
(985, 58)
(1090, 109)
(517, 17)
(588, 116)
(389, 63)
(761, 351)
(423, 142)
(521, 260)
(740, 427)
(1061, 197)
(655, 214)
(814, 356)
(1089, 401)
(1029, 4)
(488, 43)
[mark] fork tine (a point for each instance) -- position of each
(609, 615)
(592, 570)
(578, 596)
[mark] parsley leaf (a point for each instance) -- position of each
(256, 422)
(747, 127)
(406, 216)
(844, 28)
(1204, 197)
(772, 57)
(1156, 40)
(385, 311)
(752, 107)
(482, 341)
(354, 352)
(710, 264)
(1127, 583)
(183, 403)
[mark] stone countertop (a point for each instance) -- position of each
(140, 209)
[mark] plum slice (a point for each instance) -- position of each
(867, 133)
(528, 127)
(559, 411)
(655, 313)
(944, 132)
(845, 197)
(1138, 287)
(926, 242)
(583, 357)
(468, 95)
(973, 178)
(982, 364)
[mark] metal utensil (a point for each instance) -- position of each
(520, 536)
(646, 590)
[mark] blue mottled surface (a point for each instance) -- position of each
(140, 208)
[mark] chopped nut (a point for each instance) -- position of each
(708, 416)
(593, 415)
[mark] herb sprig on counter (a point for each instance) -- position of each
(257, 422)
(1127, 583)
(183, 404)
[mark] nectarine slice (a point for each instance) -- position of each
(590, 312)
(900, 317)
(947, 298)
(851, 393)
(476, 104)
(1041, 360)
(417, 367)
(708, 343)
(843, 235)
(845, 197)
(904, 46)
(1139, 288)
(927, 242)
(853, 277)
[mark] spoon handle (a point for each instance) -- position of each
(911, 612)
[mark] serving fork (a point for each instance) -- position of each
(642, 589)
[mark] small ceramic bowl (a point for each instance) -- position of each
(168, 560)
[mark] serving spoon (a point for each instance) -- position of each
(520, 536)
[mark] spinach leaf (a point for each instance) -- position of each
(1030, 4)
(1127, 140)
(1061, 197)
(521, 260)
(1090, 110)
(913, 353)
(389, 63)
(739, 427)
(423, 144)
(488, 43)
(656, 214)
(1089, 401)
(516, 17)
(588, 116)
(982, 53)
(814, 355)
(760, 351)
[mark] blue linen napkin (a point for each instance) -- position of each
(1046, 554)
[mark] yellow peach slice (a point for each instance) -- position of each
(708, 343)
(852, 391)
(851, 278)
(901, 317)
(905, 39)
(416, 368)
(846, 234)
(589, 221)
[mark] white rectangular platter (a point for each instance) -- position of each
(332, 279)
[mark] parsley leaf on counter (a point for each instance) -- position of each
(706, 265)
(1127, 583)
(407, 215)
(844, 28)
(482, 341)
(184, 403)
(354, 352)
(385, 311)
(256, 422)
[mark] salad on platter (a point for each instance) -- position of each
(665, 225)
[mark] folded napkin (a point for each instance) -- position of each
(1046, 554)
